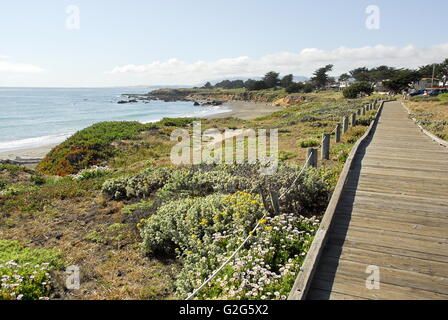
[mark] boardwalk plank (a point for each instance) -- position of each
(394, 261)
(387, 275)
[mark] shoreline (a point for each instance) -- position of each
(244, 110)
(29, 157)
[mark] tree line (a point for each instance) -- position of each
(269, 81)
(363, 79)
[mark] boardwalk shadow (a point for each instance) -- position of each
(341, 221)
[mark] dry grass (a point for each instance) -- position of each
(432, 114)
(109, 269)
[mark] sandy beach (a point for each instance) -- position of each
(29, 157)
(33, 153)
(246, 110)
(238, 109)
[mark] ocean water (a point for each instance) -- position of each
(35, 117)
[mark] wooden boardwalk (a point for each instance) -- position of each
(393, 214)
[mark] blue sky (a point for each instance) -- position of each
(138, 42)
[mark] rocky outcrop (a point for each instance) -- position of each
(213, 103)
(289, 101)
(168, 95)
(216, 97)
(127, 101)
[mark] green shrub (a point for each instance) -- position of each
(354, 90)
(306, 194)
(286, 155)
(308, 197)
(201, 218)
(16, 189)
(212, 227)
(308, 87)
(194, 182)
(442, 136)
(295, 87)
(177, 122)
(309, 143)
(354, 133)
(210, 221)
(24, 271)
(138, 186)
(3, 184)
(13, 251)
(264, 269)
(364, 120)
(88, 147)
(91, 173)
(14, 168)
(343, 156)
(38, 180)
(24, 282)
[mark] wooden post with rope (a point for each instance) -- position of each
(337, 135)
(311, 155)
(326, 146)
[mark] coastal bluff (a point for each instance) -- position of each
(216, 97)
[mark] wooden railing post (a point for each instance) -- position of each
(326, 146)
(363, 111)
(337, 135)
(345, 124)
(311, 156)
(275, 202)
(353, 121)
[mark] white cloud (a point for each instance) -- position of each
(15, 67)
(174, 71)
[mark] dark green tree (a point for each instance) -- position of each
(402, 80)
(320, 76)
(271, 79)
(440, 70)
(295, 87)
(208, 85)
(427, 70)
(287, 81)
(248, 83)
(357, 88)
(308, 87)
(361, 74)
(344, 77)
(382, 73)
(228, 84)
(255, 85)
